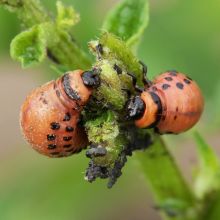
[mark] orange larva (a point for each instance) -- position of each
(50, 114)
(172, 103)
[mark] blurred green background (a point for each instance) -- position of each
(182, 35)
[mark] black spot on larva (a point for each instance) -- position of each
(67, 117)
(71, 93)
(175, 117)
(168, 78)
(177, 109)
(179, 85)
(69, 129)
(51, 146)
(58, 93)
(154, 88)
(163, 118)
(51, 137)
(173, 73)
(187, 81)
(55, 126)
(67, 145)
(55, 153)
(67, 138)
(165, 86)
(117, 69)
(45, 101)
(54, 85)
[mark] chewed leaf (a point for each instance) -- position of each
(66, 16)
(128, 20)
(29, 47)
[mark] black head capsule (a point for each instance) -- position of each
(91, 79)
(135, 108)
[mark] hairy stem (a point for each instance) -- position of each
(66, 52)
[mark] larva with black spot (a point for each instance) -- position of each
(50, 114)
(173, 103)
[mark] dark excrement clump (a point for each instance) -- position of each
(96, 171)
(116, 172)
(93, 171)
(137, 141)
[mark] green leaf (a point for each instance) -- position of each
(66, 16)
(128, 20)
(208, 175)
(29, 47)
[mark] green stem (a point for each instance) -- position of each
(69, 54)
(66, 52)
(172, 194)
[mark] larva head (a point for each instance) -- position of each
(50, 115)
(144, 109)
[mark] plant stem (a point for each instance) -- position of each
(170, 190)
(66, 52)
